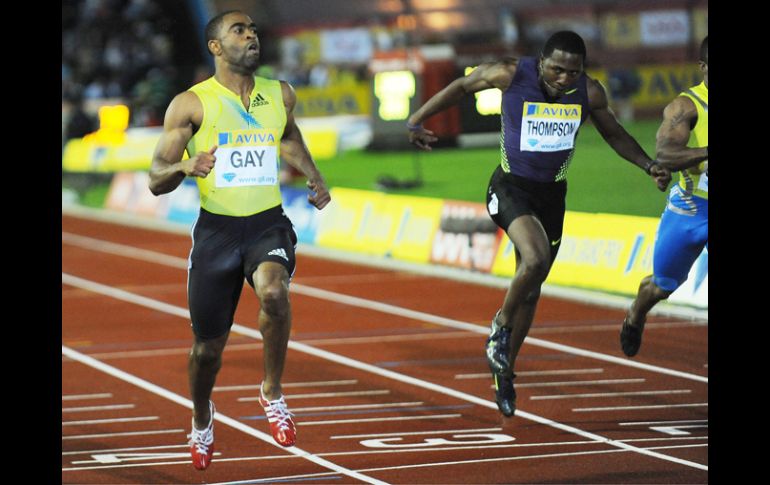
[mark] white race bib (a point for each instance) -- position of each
(703, 182)
(547, 127)
(246, 165)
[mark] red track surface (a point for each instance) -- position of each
(418, 400)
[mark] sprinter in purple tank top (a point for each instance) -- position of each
(545, 101)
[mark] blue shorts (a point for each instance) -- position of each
(680, 240)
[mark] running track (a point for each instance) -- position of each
(385, 374)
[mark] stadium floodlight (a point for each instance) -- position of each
(487, 101)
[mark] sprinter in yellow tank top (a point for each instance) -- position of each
(682, 146)
(233, 127)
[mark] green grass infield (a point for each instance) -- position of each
(598, 179)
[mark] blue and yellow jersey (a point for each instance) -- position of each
(244, 180)
(693, 189)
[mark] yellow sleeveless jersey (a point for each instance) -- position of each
(244, 180)
(694, 181)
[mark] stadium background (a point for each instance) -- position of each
(359, 68)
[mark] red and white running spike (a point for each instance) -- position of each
(278, 415)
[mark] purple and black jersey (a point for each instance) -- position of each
(538, 135)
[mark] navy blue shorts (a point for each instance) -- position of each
(510, 196)
(225, 251)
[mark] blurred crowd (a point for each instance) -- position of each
(116, 49)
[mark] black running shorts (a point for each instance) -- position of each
(510, 196)
(225, 251)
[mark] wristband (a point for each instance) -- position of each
(416, 127)
(649, 165)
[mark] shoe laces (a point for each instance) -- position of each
(280, 412)
(201, 439)
(500, 338)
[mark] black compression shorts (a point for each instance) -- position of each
(510, 196)
(225, 251)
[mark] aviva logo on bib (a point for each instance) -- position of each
(546, 110)
(247, 137)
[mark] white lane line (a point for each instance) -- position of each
(135, 457)
(358, 406)
(344, 382)
(181, 263)
(447, 463)
(378, 420)
(607, 326)
(387, 338)
(526, 373)
(413, 433)
(116, 450)
(176, 398)
(634, 423)
(428, 448)
(579, 383)
(127, 433)
(535, 373)
(122, 250)
(377, 451)
(677, 430)
(140, 354)
(517, 458)
(346, 361)
(630, 408)
(185, 462)
(126, 457)
(613, 394)
(253, 387)
(77, 397)
(324, 394)
(97, 408)
(110, 421)
(137, 354)
(670, 438)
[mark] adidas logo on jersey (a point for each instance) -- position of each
(280, 252)
(259, 100)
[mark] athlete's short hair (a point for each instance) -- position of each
(566, 41)
(704, 50)
(215, 25)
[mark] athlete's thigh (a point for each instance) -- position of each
(215, 278)
(270, 237)
(680, 240)
(530, 239)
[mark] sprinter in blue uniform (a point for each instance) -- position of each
(545, 102)
(682, 145)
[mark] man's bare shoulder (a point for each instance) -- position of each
(186, 100)
(288, 94)
(507, 64)
(509, 61)
(186, 107)
(500, 72)
(681, 105)
(594, 85)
